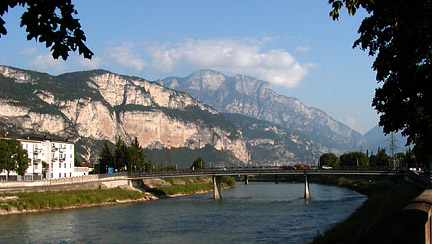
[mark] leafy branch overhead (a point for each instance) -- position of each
(51, 22)
(399, 34)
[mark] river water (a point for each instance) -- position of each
(253, 213)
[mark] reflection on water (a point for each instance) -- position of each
(254, 213)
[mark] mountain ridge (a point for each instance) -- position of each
(88, 107)
(248, 96)
(78, 102)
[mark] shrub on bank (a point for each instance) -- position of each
(183, 189)
(228, 180)
(363, 187)
(62, 199)
(191, 186)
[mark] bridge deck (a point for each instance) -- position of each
(260, 171)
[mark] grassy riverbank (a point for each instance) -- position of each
(26, 202)
(377, 219)
(13, 202)
(187, 186)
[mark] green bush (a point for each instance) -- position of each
(4, 207)
(228, 180)
(62, 199)
(183, 189)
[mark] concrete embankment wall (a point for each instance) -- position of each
(418, 216)
(74, 183)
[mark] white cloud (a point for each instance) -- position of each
(47, 62)
(241, 57)
(28, 52)
(93, 63)
(302, 49)
(125, 56)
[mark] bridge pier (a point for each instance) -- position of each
(307, 192)
(246, 180)
(217, 187)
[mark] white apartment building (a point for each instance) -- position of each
(57, 155)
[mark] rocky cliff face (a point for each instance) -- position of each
(251, 97)
(270, 143)
(88, 107)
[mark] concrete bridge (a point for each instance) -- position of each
(216, 175)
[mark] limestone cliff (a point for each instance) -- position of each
(91, 106)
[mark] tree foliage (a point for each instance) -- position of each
(106, 158)
(329, 159)
(51, 22)
(123, 157)
(136, 157)
(198, 163)
(399, 34)
(121, 154)
(13, 157)
(381, 159)
(354, 159)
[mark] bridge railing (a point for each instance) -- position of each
(263, 171)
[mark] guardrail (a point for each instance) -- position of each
(260, 171)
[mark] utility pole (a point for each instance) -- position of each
(168, 158)
(393, 148)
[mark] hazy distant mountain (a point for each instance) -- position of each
(255, 98)
(270, 143)
(377, 139)
(91, 106)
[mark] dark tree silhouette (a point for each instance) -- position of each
(51, 22)
(399, 34)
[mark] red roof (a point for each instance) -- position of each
(85, 164)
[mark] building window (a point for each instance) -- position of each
(71, 166)
(59, 165)
(71, 156)
(65, 165)
(64, 174)
(52, 175)
(36, 166)
(59, 175)
(70, 174)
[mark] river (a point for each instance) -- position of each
(253, 213)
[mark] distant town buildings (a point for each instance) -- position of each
(50, 159)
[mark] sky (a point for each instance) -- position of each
(293, 44)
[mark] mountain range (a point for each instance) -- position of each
(256, 125)
(92, 106)
(255, 98)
